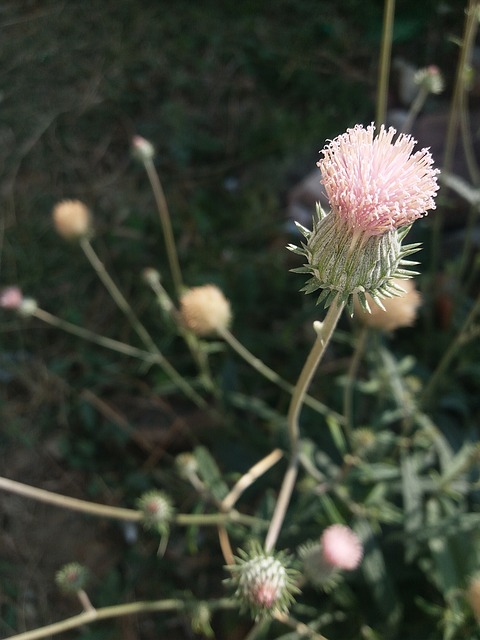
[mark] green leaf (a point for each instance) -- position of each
(209, 472)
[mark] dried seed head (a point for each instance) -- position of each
(205, 310)
(72, 219)
(399, 311)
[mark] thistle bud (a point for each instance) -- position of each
(339, 548)
(72, 219)
(205, 310)
(264, 582)
(157, 511)
(430, 79)
(72, 577)
(11, 298)
(142, 149)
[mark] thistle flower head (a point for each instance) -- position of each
(72, 577)
(205, 310)
(399, 311)
(157, 511)
(376, 184)
(264, 582)
(376, 188)
(72, 219)
(341, 547)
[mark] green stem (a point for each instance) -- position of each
(324, 335)
(91, 336)
(138, 327)
(272, 375)
(165, 221)
(385, 56)
(116, 611)
(415, 109)
(119, 513)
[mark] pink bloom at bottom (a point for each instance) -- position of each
(341, 547)
(11, 298)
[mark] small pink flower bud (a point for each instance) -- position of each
(142, 148)
(430, 79)
(11, 298)
(72, 219)
(205, 310)
(341, 547)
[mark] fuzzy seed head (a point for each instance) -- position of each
(72, 219)
(341, 547)
(377, 184)
(399, 311)
(205, 310)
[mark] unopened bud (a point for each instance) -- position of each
(72, 577)
(264, 582)
(430, 79)
(157, 511)
(11, 298)
(142, 148)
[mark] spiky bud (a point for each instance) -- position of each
(72, 577)
(157, 511)
(264, 582)
(430, 79)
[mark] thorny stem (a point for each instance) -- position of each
(166, 225)
(272, 375)
(385, 55)
(116, 611)
(119, 513)
(138, 327)
(324, 334)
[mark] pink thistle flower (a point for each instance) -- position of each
(11, 298)
(376, 184)
(341, 547)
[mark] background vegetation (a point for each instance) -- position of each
(237, 97)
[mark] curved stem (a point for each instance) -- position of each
(385, 55)
(91, 336)
(272, 375)
(120, 513)
(116, 611)
(138, 327)
(325, 332)
(166, 225)
(417, 104)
